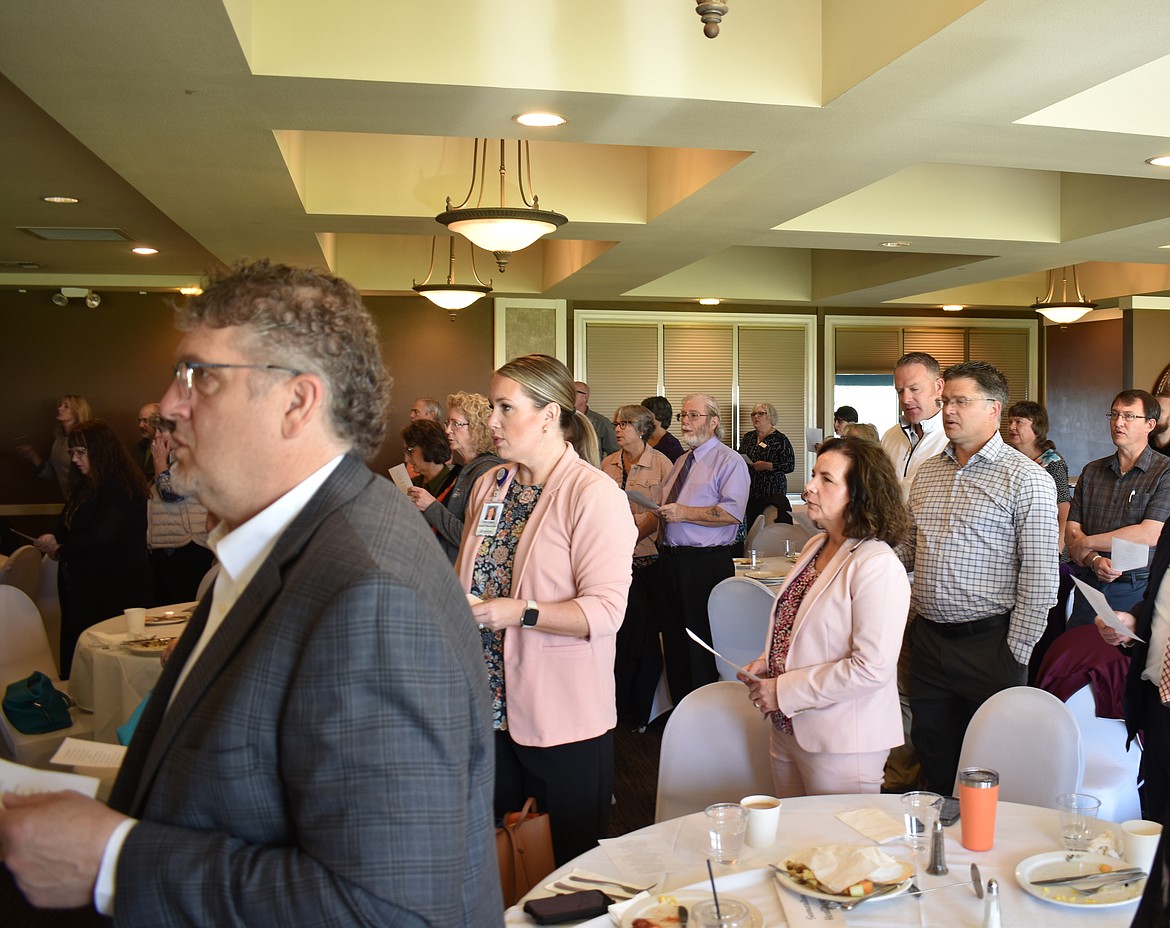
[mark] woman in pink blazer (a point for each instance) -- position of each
(829, 672)
(547, 546)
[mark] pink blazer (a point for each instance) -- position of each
(840, 687)
(578, 545)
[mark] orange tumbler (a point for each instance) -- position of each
(978, 794)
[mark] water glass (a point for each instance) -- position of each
(920, 810)
(1078, 819)
(726, 823)
(731, 914)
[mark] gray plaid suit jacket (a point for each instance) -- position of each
(328, 760)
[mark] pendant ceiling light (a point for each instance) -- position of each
(501, 229)
(1063, 310)
(452, 296)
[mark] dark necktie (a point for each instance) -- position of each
(126, 785)
(676, 487)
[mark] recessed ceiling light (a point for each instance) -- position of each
(709, 301)
(540, 120)
(895, 244)
(144, 250)
(1162, 161)
(61, 199)
(953, 307)
(190, 291)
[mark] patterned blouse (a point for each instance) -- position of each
(491, 578)
(787, 606)
(775, 448)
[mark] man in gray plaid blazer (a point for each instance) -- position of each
(317, 750)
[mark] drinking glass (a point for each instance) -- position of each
(726, 823)
(1078, 819)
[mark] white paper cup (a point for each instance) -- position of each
(763, 820)
(136, 623)
(1140, 838)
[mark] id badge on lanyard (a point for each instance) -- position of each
(493, 509)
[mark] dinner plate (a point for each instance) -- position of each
(1055, 864)
(155, 646)
(658, 914)
(742, 561)
(170, 615)
(802, 890)
(765, 575)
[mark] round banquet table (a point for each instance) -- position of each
(109, 680)
(808, 821)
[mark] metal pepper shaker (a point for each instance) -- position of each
(938, 852)
(991, 915)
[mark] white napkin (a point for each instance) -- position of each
(839, 866)
(873, 823)
(108, 638)
(616, 910)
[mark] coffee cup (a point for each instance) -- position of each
(136, 623)
(763, 819)
(1140, 838)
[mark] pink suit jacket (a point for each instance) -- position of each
(840, 687)
(578, 545)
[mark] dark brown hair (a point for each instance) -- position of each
(109, 461)
(1038, 416)
(876, 508)
(428, 437)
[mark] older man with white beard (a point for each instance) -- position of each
(706, 495)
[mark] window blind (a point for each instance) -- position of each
(622, 363)
(698, 359)
(771, 370)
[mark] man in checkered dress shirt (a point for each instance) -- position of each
(984, 554)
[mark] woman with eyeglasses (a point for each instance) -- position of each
(638, 468)
(100, 539)
(1028, 434)
(770, 460)
(71, 409)
(470, 441)
(425, 449)
(546, 549)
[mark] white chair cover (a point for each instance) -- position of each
(1032, 739)
(738, 610)
(749, 540)
(1111, 772)
(26, 649)
(49, 606)
(714, 749)
(23, 571)
(769, 541)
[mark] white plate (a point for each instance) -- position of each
(765, 575)
(149, 649)
(170, 615)
(1055, 864)
(802, 890)
(665, 914)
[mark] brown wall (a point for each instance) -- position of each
(1084, 373)
(119, 356)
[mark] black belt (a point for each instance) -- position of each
(692, 550)
(967, 629)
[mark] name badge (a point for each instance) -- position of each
(762, 444)
(489, 519)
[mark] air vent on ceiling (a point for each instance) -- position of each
(75, 234)
(19, 266)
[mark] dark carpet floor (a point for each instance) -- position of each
(635, 777)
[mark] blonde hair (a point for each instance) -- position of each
(864, 430)
(477, 410)
(546, 380)
(80, 406)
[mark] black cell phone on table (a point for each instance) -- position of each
(552, 910)
(948, 814)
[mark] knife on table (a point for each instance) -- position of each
(1132, 873)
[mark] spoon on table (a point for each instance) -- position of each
(976, 883)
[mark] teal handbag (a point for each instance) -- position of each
(34, 706)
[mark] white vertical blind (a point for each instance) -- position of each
(622, 362)
(771, 370)
(698, 359)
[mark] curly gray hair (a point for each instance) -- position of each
(308, 321)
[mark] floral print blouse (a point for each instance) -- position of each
(787, 606)
(491, 578)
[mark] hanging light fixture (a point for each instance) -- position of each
(501, 229)
(1063, 310)
(452, 296)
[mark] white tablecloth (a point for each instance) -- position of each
(1021, 831)
(108, 679)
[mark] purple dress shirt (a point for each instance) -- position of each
(719, 477)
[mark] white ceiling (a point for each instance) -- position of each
(1000, 138)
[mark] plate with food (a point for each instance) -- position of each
(1100, 889)
(766, 575)
(170, 615)
(662, 911)
(153, 646)
(842, 873)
